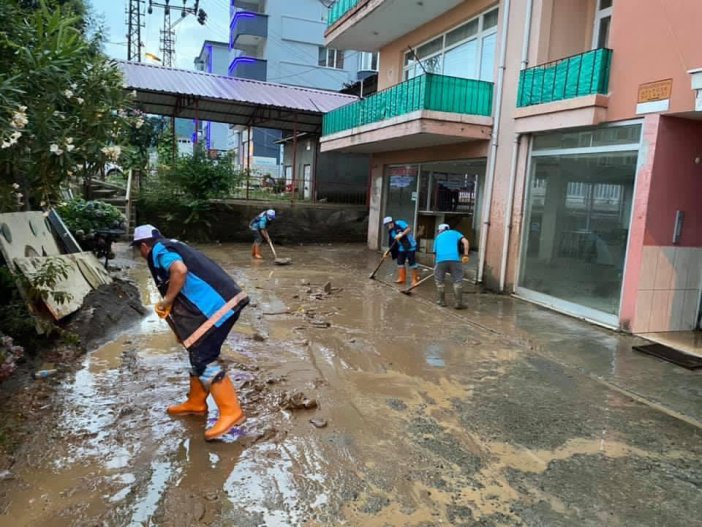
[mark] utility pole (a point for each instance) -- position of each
(134, 25)
(167, 40)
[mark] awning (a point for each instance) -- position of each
(207, 97)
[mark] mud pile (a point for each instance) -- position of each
(107, 310)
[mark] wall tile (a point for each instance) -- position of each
(649, 259)
(688, 320)
(642, 317)
(694, 269)
(677, 306)
(664, 269)
(660, 311)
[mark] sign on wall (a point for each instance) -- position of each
(654, 96)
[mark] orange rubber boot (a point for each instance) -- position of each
(253, 251)
(196, 403)
(230, 413)
(257, 252)
(401, 275)
(415, 276)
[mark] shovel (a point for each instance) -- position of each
(278, 261)
(382, 259)
(408, 291)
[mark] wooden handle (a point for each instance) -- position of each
(270, 243)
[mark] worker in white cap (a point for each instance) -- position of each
(259, 225)
(201, 303)
(404, 249)
(448, 246)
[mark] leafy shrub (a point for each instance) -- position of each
(85, 218)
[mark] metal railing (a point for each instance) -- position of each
(576, 76)
(306, 189)
(339, 9)
(426, 92)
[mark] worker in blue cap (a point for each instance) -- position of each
(448, 246)
(259, 225)
(201, 303)
(405, 244)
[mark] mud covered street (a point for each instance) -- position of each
(366, 408)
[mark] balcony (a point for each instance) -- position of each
(572, 91)
(425, 111)
(368, 25)
(247, 29)
(248, 68)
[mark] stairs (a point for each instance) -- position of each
(119, 196)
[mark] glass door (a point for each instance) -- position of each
(401, 195)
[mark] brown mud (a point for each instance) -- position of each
(366, 407)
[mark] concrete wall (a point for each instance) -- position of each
(299, 223)
(663, 280)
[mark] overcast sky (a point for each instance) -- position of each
(189, 34)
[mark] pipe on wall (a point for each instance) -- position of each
(515, 156)
(508, 211)
(489, 183)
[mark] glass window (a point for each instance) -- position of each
(490, 19)
(460, 61)
(577, 216)
(487, 59)
(331, 58)
(603, 37)
(465, 51)
(463, 32)
(605, 4)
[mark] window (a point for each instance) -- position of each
(467, 51)
(603, 22)
(331, 58)
(367, 61)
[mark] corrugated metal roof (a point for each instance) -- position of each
(157, 79)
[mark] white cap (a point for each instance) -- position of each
(144, 232)
(444, 227)
(387, 219)
(270, 213)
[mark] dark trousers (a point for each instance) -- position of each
(207, 350)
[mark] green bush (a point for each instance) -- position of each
(85, 218)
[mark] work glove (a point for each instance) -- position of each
(465, 260)
(162, 309)
(398, 237)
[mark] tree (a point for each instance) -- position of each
(63, 109)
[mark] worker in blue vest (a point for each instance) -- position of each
(449, 245)
(259, 225)
(201, 303)
(404, 249)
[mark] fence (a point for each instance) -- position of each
(576, 76)
(426, 92)
(339, 9)
(304, 188)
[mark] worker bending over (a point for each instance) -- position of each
(448, 246)
(405, 248)
(260, 227)
(201, 303)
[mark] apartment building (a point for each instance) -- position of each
(282, 41)
(564, 137)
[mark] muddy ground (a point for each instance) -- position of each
(502, 415)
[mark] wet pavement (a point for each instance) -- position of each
(505, 414)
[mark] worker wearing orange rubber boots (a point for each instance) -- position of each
(201, 303)
(259, 225)
(406, 248)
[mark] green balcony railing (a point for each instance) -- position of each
(339, 9)
(426, 92)
(576, 76)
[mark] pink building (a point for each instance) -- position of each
(564, 137)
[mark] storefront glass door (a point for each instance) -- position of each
(576, 227)
(401, 194)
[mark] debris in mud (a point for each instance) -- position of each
(272, 313)
(327, 288)
(6, 475)
(106, 310)
(304, 281)
(320, 323)
(258, 337)
(319, 423)
(297, 401)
